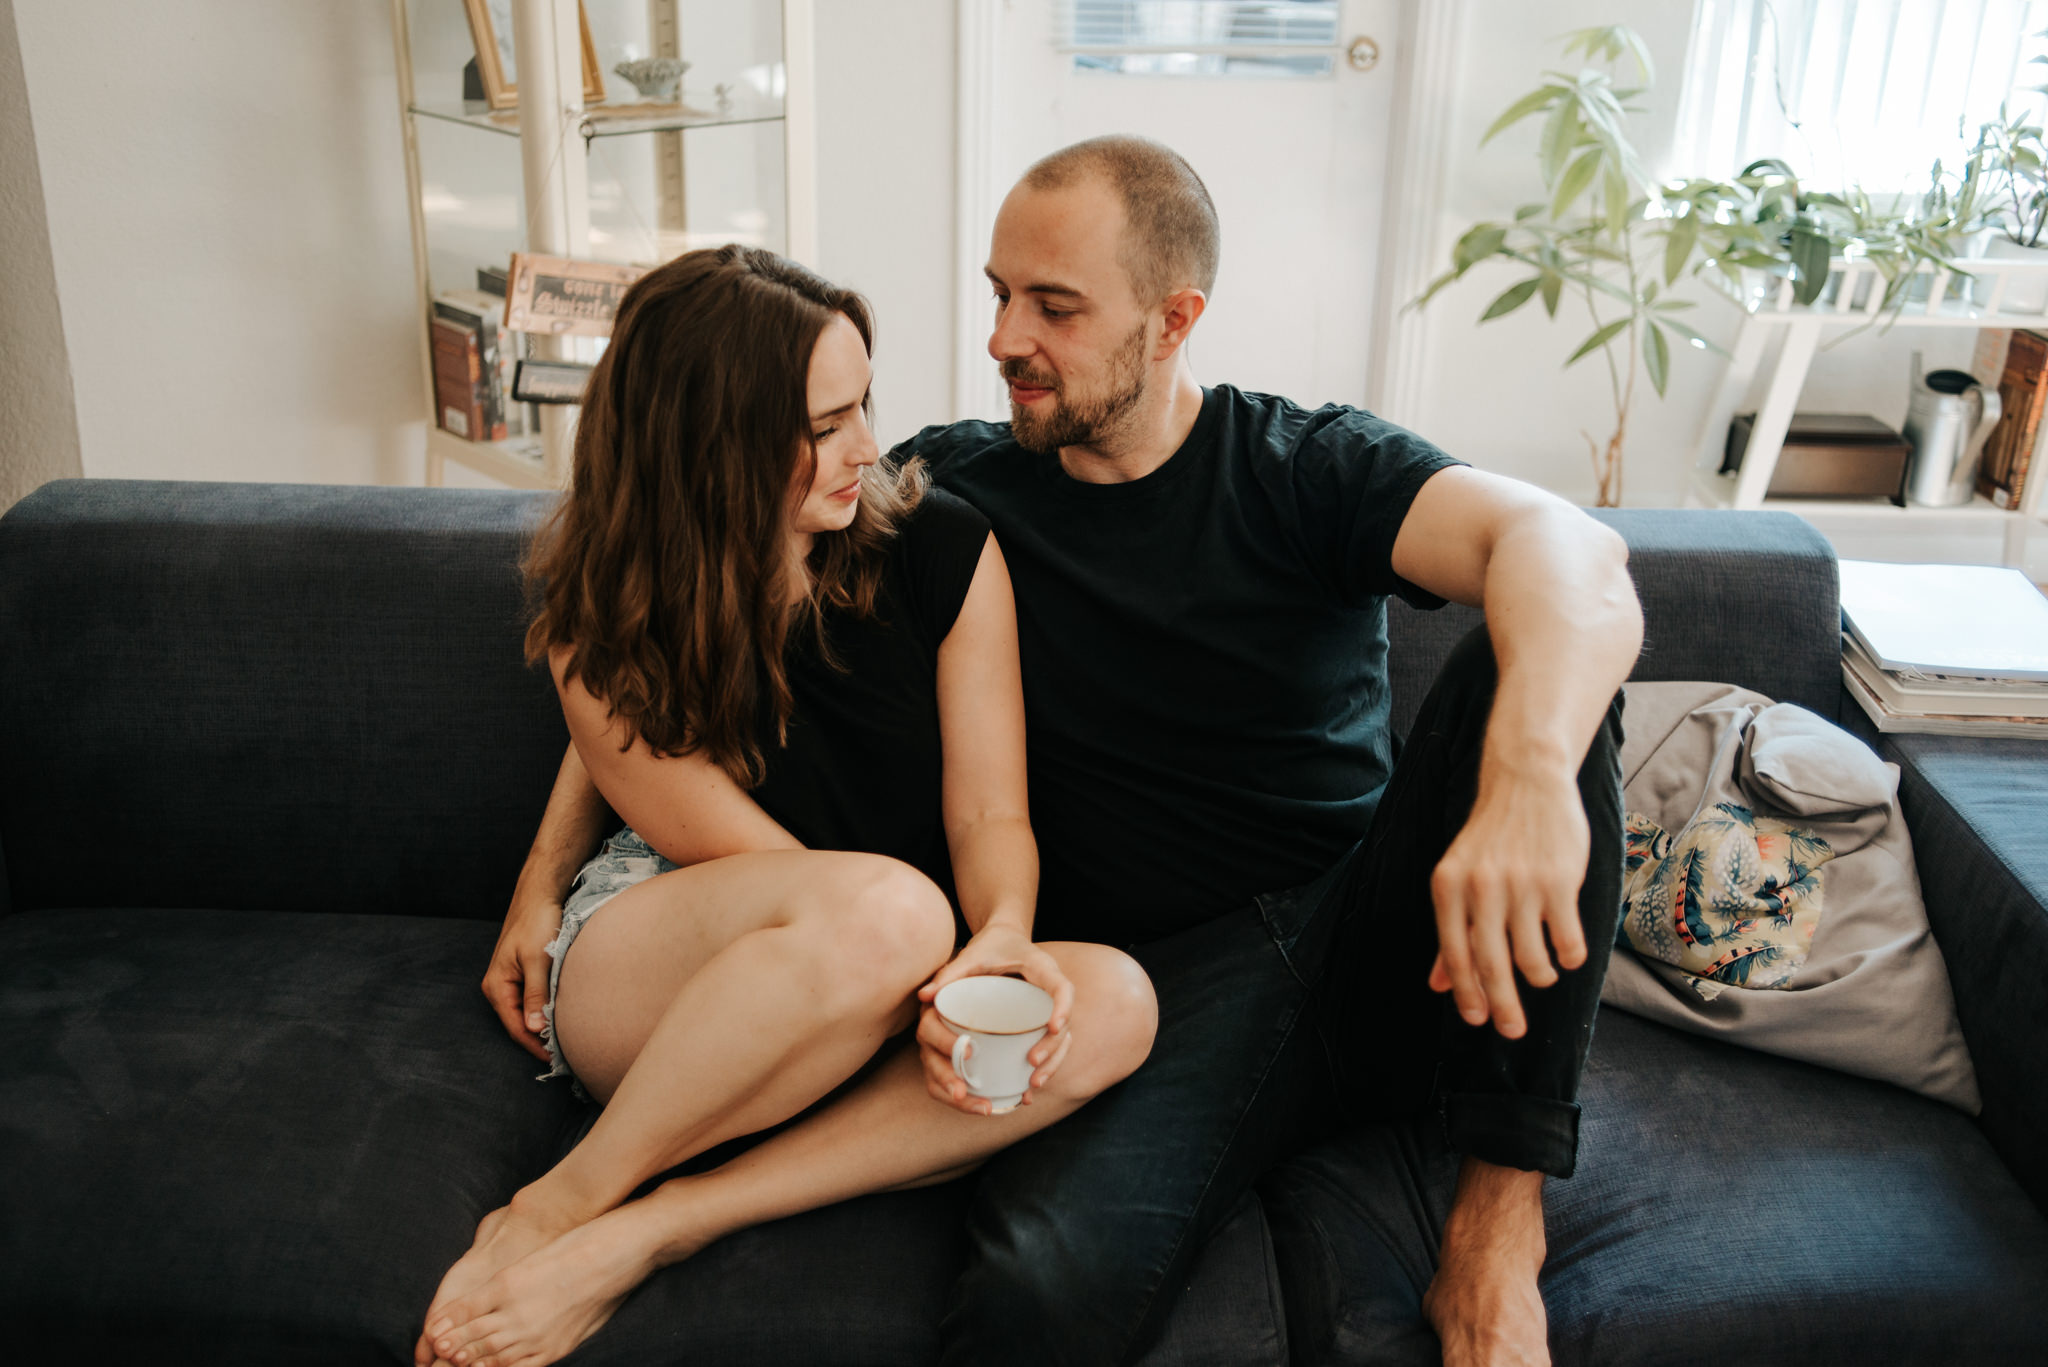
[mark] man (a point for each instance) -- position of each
(1201, 579)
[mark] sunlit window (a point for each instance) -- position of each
(1243, 38)
(1852, 92)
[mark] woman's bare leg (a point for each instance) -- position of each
(886, 1134)
(711, 1002)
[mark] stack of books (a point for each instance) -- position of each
(1950, 650)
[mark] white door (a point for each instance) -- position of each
(1295, 163)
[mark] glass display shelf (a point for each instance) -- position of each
(724, 157)
(618, 120)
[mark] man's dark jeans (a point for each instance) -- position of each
(1309, 1008)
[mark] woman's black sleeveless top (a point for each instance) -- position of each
(862, 766)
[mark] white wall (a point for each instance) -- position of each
(885, 191)
(38, 421)
(226, 205)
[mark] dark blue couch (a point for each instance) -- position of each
(269, 762)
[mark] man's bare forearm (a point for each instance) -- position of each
(570, 829)
(1566, 627)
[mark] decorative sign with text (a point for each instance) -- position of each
(554, 294)
(537, 381)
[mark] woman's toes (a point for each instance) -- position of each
(476, 1338)
(451, 1343)
(470, 1318)
(481, 1351)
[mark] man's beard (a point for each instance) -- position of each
(1085, 422)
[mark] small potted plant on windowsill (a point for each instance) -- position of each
(2011, 165)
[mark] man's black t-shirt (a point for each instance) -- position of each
(1204, 653)
(862, 768)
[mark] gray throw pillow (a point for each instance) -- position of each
(1804, 764)
(1773, 898)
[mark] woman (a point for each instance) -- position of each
(792, 670)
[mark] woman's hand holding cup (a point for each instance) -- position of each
(995, 951)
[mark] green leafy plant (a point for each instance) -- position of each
(1765, 221)
(2010, 165)
(1607, 238)
(1591, 237)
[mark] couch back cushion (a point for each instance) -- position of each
(277, 697)
(1744, 598)
(312, 698)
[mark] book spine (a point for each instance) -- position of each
(459, 389)
(2022, 393)
(517, 422)
(492, 389)
(481, 323)
(2025, 460)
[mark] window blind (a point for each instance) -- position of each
(1850, 92)
(1244, 38)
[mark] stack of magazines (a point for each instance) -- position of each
(1951, 650)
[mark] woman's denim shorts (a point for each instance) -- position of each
(626, 859)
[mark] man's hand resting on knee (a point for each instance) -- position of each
(1562, 616)
(1513, 871)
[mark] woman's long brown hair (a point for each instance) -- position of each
(665, 568)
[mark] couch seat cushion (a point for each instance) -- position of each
(265, 1137)
(1729, 1206)
(266, 1132)
(258, 1137)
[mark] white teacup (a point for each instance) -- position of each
(1002, 1018)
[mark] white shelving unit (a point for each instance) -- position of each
(1802, 327)
(556, 136)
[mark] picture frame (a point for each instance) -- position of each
(490, 27)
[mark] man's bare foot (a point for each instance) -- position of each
(1484, 1301)
(538, 1309)
(503, 1237)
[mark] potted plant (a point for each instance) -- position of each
(2011, 165)
(1608, 239)
(1591, 238)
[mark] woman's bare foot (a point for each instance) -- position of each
(503, 1237)
(538, 1309)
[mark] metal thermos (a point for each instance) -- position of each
(1947, 419)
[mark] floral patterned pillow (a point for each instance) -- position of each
(1731, 901)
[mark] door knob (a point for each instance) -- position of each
(1363, 54)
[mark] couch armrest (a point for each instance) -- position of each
(1978, 810)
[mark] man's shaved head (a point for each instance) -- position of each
(1171, 235)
